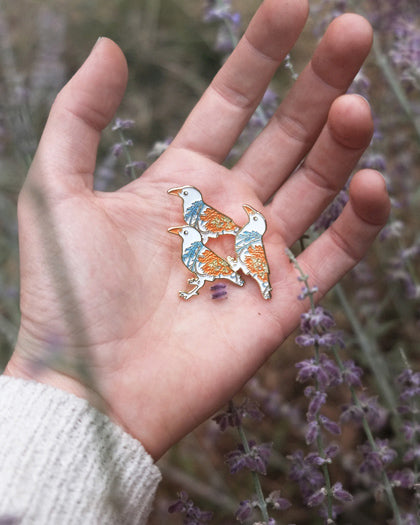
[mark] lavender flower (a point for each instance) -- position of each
(228, 33)
(118, 148)
(132, 168)
(340, 494)
(122, 124)
(366, 407)
(332, 212)
(323, 370)
(193, 514)
(315, 326)
(403, 478)
(351, 373)
(378, 457)
(277, 501)
(255, 458)
(137, 166)
(304, 471)
(409, 384)
(406, 49)
(234, 415)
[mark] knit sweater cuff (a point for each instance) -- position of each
(62, 461)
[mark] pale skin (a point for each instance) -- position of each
(100, 273)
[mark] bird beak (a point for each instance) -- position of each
(249, 209)
(175, 191)
(176, 230)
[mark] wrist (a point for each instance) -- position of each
(22, 367)
(39, 360)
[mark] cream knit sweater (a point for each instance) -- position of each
(62, 462)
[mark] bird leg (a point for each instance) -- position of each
(198, 282)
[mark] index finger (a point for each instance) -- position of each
(229, 102)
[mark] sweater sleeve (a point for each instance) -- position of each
(62, 461)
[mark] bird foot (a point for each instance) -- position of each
(187, 295)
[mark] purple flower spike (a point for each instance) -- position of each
(319, 318)
(319, 399)
(312, 432)
(277, 502)
(331, 426)
(352, 374)
(255, 460)
(403, 478)
(317, 497)
(122, 124)
(193, 514)
(245, 510)
(340, 494)
(375, 460)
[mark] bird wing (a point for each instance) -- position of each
(256, 261)
(216, 222)
(212, 264)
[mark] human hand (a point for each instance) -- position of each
(100, 274)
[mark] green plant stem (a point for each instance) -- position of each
(319, 440)
(320, 445)
(392, 79)
(368, 432)
(126, 150)
(370, 352)
(385, 480)
(415, 420)
(262, 504)
(390, 76)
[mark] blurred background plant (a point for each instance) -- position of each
(319, 446)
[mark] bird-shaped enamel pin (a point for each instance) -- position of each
(208, 221)
(249, 247)
(201, 261)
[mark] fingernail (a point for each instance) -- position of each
(96, 43)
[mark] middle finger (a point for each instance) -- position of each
(294, 128)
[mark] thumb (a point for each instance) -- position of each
(66, 155)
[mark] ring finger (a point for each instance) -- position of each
(294, 128)
(326, 169)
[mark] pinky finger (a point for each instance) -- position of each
(348, 239)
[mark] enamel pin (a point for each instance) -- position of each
(201, 261)
(249, 248)
(208, 221)
(204, 222)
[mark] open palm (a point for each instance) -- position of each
(100, 274)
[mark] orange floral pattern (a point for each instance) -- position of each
(256, 262)
(214, 265)
(216, 221)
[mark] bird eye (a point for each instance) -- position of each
(255, 218)
(185, 192)
(185, 232)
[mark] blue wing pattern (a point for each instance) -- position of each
(193, 213)
(190, 255)
(245, 239)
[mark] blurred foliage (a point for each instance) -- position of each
(171, 57)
